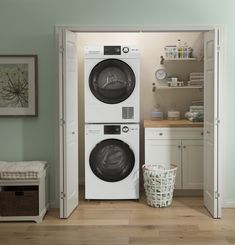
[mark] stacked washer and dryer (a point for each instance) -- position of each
(112, 122)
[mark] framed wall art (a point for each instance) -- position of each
(18, 85)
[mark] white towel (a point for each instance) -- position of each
(21, 170)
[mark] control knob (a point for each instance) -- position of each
(125, 50)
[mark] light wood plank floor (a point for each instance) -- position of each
(126, 222)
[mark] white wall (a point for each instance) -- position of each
(151, 47)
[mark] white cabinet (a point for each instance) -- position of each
(31, 195)
(182, 147)
(164, 152)
(192, 164)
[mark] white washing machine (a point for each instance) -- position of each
(112, 83)
(112, 161)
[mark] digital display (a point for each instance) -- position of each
(112, 50)
(112, 129)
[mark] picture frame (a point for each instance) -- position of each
(18, 86)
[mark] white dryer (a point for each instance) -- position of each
(112, 83)
(112, 161)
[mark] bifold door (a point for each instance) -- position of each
(211, 124)
(68, 124)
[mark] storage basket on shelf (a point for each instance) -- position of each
(159, 184)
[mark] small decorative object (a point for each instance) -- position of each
(156, 114)
(18, 85)
(174, 81)
(160, 74)
(180, 84)
(173, 115)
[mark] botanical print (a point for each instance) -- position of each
(14, 86)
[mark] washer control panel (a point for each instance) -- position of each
(112, 129)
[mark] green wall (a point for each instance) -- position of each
(27, 27)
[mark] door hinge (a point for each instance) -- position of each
(61, 49)
(62, 122)
(217, 121)
(62, 195)
(218, 49)
(217, 195)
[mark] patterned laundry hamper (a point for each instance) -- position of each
(159, 184)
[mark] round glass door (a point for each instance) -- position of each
(112, 160)
(112, 81)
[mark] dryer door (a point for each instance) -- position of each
(112, 81)
(112, 160)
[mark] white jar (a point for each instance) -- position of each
(173, 115)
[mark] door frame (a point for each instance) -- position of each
(156, 28)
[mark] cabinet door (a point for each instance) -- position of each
(164, 152)
(192, 164)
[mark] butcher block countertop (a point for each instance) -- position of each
(172, 124)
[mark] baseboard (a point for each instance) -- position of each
(188, 193)
(82, 181)
(53, 204)
(228, 204)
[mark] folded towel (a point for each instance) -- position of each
(21, 170)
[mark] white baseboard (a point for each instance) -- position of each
(228, 204)
(53, 204)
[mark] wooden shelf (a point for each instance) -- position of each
(172, 124)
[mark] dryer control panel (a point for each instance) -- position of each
(114, 51)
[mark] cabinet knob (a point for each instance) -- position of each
(160, 134)
(208, 132)
(201, 133)
(179, 146)
(184, 146)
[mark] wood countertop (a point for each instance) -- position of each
(172, 124)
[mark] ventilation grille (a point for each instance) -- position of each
(127, 112)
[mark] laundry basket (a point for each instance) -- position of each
(159, 184)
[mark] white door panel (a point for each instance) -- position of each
(69, 166)
(211, 197)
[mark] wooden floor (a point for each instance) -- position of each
(126, 222)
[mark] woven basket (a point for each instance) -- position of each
(159, 184)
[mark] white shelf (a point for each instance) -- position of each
(178, 87)
(179, 59)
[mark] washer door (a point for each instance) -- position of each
(112, 81)
(112, 160)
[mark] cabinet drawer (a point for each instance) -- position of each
(176, 133)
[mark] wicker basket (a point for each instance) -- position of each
(159, 184)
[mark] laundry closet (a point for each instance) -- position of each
(168, 73)
(154, 93)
